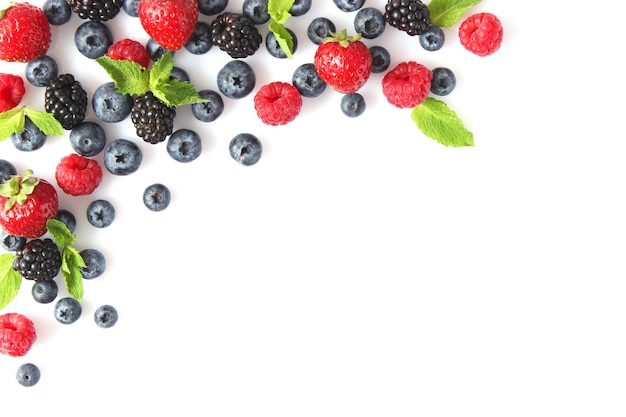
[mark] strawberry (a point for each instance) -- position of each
(343, 62)
(26, 204)
(11, 91)
(169, 22)
(24, 32)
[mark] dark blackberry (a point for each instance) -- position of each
(38, 260)
(153, 119)
(235, 34)
(96, 10)
(66, 100)
(411, 16)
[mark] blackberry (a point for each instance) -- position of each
(411, 16)
(96, 10)
(38, 260)
(66, 100)
(153, 119)
(235, 34)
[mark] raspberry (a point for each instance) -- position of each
(407, 85)
(11, 91)
(130, 50)
(277, 103)
(17, 334)
(481, 34)
(77, 175)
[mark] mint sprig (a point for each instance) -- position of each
(279, 14)
(72, 262)
(437, 121)
(10, 280)
(133, 79)
(12, 121)
(445, 13)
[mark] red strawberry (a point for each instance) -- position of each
(130, 50)
(17, 334)
(24, 33)
(277, 103)
(169, 22)
(26, 204)
(343, 62)
(11, 91)
(77, 175)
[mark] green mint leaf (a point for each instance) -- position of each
(445, 13)
(161, 70)
(437, 121)
(11, 121)
(45, 121)
(71, 269)
(176, 93)
(283, 37)
(279, 10)
(129, 77)
(60, 233)
(10, 280)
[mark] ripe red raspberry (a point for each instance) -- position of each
(77, 175)
(129, 50)
(481, 34)
(17, 334)
(407, 85)
(277, 103)
(11, 91)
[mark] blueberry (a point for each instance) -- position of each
(236, 79)
(7, 169)
(320, 28)
(300, 7)
(88, 139)
(28, 374)
(443, 81)
(200, 41)
(95, 263)
(211, 7)
(122, 157)
(41, 70)
(157, 197)
(58, 12)
(370, 22)
(272, 46)
(184, 145)
(131, 7)
(93, 39)
(256, 10)
(246, 149)
(30, 138)
(68, 218)
(105, 316)
(307, 81)
(381, 58)
(433, 39)
(209, 110)
(67, 310)
(353, 105)
(100, 213)
(155, 50)
(180, 74)
(45, 292)
(11, 243)
(110, 105)
(349, 5)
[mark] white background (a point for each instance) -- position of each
(361, 268)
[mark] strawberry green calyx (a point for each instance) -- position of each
(342, 38)
(4, 9)
(133, 79)
(17, 189)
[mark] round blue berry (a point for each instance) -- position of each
(381, 58)
(28, 374)
(319, 29)
(95, 263)
(256, 10)
(7, 169)
(433, 39)
(30, 138)
(45, 292)
(307, 81)
(88, 139)
(245, 149)
(93, 39)
(105, 316)
(353, 105)
(200, 41)
(211, 7)
(67, 310)
(209, 110)
(100, 213)
(300, 7)
(349, 5)
(68, 218)
(370, 22)
(131, 7)
(11, 243)
(109, 105)
(273, 47)
(155, 50)
(40, 71)
(58, 12)
(236, 79)
(443, 81)
(122, 157)
(157, 197)
(184, 145)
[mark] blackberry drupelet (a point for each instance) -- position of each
(96, 10)
(153, 119)
(411, 16)
(38, 260)
(235, 34)
(66, 100)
